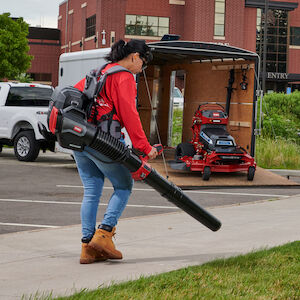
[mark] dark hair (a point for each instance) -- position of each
(121, 49)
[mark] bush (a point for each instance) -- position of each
(281, 116)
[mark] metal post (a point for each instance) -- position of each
(66, 30)
(264, 71)
(171, 101)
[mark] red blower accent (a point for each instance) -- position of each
(145, 168)
(53, 120)
(142, 172)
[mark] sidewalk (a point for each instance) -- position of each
(48, 260)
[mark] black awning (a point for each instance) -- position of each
(184, 51)
(272, 4)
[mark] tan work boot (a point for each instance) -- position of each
(90, 255)
(102, 242)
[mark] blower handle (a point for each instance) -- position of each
(159, 149)
(145, 169)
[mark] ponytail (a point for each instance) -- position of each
(121, 49)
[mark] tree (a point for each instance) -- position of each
(14, 58)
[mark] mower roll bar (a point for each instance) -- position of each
(210, 103)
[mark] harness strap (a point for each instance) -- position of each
(94, 84)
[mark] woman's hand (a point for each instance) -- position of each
(153, 153)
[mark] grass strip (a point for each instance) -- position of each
(266, 274)
(277, 154)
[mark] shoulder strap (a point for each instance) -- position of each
(93, 86)
(91, 82)
(110, 71)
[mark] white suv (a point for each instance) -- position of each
(22, 106)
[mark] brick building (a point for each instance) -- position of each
(45, 47)
(90, 24)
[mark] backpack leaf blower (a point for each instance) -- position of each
(74, 132)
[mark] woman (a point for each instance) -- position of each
(116, 99)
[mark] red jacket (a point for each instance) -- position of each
(120, 91)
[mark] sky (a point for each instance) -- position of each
(42, 13)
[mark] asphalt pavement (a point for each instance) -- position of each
(40, 235)
(46, 261)
(48, 192)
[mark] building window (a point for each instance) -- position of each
(146, 25)
(219, 29)
(295, 36)
(277, 39)
(90, 27)
(41, 76)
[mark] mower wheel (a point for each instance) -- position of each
(185, 149)
(206, 173)
(251, 172)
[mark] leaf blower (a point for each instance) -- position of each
(72, 130)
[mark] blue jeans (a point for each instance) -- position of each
(92, 171)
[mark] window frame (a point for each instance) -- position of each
(277, 42)
(218, 24)
(90, 29)
(294, 37)
(145, 28)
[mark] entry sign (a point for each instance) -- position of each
(288, 90)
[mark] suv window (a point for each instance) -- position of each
(28, 96)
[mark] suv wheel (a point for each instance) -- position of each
(26, 147)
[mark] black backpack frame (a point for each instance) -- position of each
(85, 101)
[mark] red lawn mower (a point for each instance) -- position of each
(212, 148)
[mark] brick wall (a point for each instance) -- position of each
(45, 60)
(193, 21)
(249, 32)
(234, 23)
(199, 20)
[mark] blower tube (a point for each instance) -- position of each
(74, 132)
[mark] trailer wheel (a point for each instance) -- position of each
(251, 172)
(206, 173)
(26, 147)
(185, 149)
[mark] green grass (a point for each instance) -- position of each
(177, 126)
(266, 274)
(277, 154)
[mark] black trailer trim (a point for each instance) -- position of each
(189, 51)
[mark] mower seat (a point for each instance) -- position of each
(217, 138)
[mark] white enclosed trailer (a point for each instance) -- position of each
(74, 66)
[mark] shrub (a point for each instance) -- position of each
(281, 116)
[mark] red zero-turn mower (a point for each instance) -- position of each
(212, 148)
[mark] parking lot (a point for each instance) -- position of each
(47, 193)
